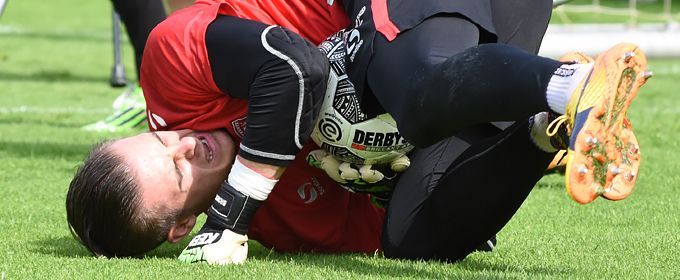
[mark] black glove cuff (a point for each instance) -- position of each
(231, 210)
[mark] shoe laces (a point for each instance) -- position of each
(559, 162)
(558, 134)
(554, 125)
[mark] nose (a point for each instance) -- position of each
(185, 148)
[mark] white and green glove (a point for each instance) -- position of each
(222, 239)
(376, 180)
(216, 247)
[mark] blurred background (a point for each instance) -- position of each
(591, 25)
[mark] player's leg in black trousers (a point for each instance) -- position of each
(460, 190)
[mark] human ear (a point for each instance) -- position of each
(181, 228)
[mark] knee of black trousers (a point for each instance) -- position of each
(433, 113)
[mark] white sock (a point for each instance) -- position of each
(537, 132)
(563, 83)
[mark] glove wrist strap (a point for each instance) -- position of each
(231, 210)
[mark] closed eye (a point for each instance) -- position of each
(178, 171)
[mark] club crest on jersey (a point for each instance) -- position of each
(239, 126)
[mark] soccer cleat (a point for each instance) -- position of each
(129, 113)
(603, 156)
(560, 137)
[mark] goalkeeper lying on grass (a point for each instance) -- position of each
(132, 194)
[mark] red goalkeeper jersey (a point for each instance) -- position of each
(307, 211)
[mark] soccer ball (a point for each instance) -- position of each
(343, 129)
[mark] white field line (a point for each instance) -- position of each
(53, 110)
(12, 29)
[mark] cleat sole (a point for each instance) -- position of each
(622, 183)
(624, 73)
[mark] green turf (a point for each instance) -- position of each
(55, 58)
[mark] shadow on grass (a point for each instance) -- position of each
(47, 150)
(62, 76)
(69, 247)
(371, 266)
(62, 246)
(376, 265)
(368, 266)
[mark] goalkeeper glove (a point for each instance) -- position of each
(222, 239)
(216, 247)
(376, 180)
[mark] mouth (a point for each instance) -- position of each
(207, 147)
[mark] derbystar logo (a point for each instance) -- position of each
(377, 141)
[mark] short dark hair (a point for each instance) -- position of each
(104, 212)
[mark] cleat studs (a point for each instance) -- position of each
(590, 141)
(614, 170)
(627, 56)
(634, 150)
(647, 74)
(582, 170)
(626, 123)
(630, 175)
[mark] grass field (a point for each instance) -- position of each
(55, 58)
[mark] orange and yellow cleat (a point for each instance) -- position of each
(603, 157)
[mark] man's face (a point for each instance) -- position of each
(178, 169)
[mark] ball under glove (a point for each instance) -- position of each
(376, 180)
